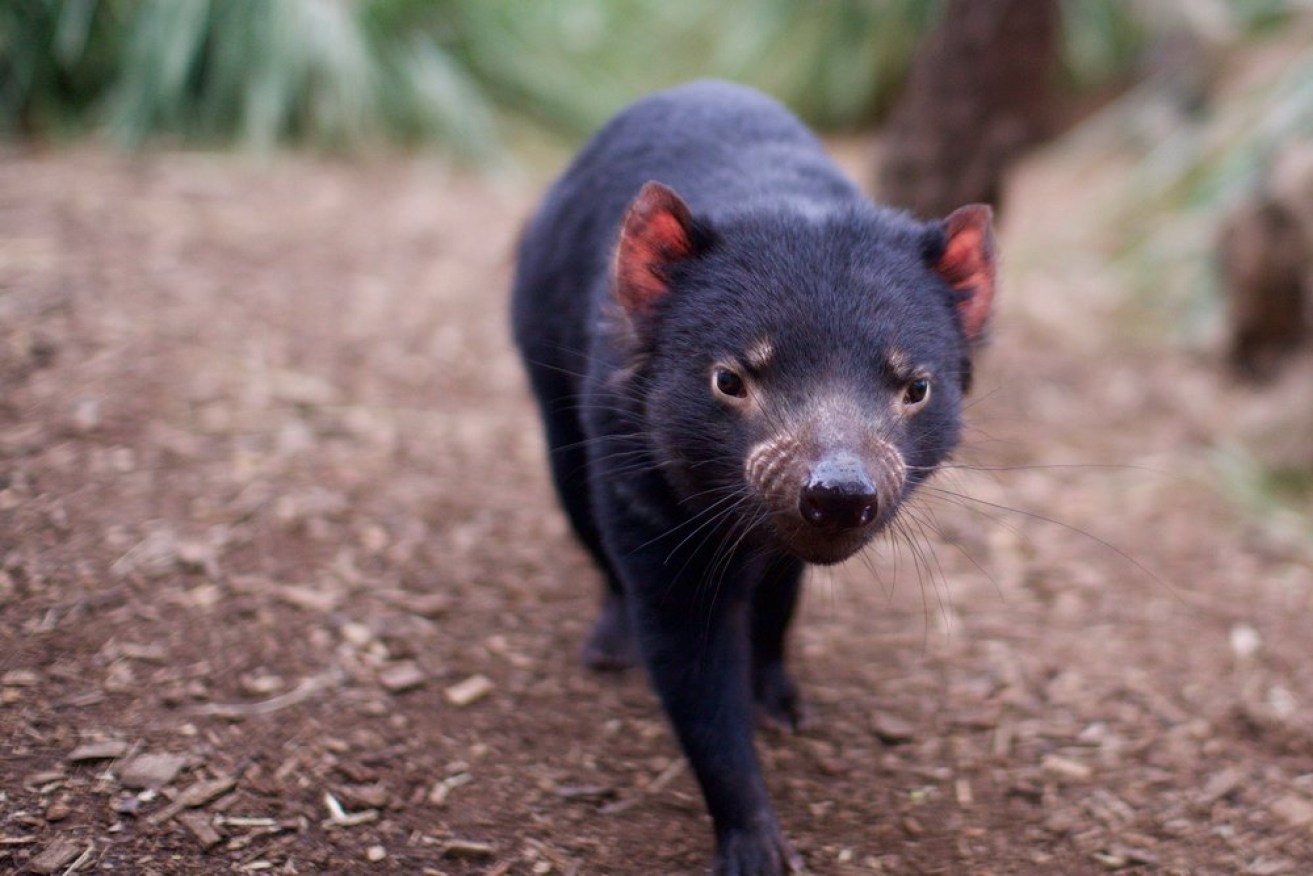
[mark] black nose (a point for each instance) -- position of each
(839, 495)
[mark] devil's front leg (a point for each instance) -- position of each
(691, 614)
(773, 603)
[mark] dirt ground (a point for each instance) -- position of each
(283, 587)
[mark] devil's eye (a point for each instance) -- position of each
(917, 392)
(727, 383)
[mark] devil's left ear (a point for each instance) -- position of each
(967, 263)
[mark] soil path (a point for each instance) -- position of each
(283, 587)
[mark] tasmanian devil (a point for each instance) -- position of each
(742, 366)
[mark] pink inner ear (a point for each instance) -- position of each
(657, 231)
(968, 264)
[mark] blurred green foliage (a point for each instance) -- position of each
(1192, 164)
(1280, 499)
(55, 58)
(340, 74)
(1195, 165)
(331, 73)
(572, 64)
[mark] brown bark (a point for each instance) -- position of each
(979, 94)
(1265, 253)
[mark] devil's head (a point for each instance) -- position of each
(805, 369)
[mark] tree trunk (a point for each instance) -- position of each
(979, 94)
(1265, 253)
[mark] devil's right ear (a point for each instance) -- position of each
(967, 261)
(658, 231)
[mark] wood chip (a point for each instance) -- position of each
(154, 556)
(1133, 855)
(202, 827)
(56, 856)
(438, 796)
(374, 795)
(250, 821)
(892, 730)
(618, 806)
(429, 605)
(357, 634)
(462, 848)
(469, 691)
(45, 777)
(1220, 785)
(262, 684)
(152, 652)
(195, 795)
(87, 698)
(20, 678)
(590, 793)
(401, 676)
(1110, 860)
(204, 791)
(309, 597)
(1065, 767)
(199, 556)
(105, 749)
(151, 770)
(1295, 811)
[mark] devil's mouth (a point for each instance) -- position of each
(823, 547)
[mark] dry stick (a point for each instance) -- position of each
(82, 859)
(656, 786)
(339, 817)
(300, 693)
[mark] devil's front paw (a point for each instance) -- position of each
(610, 647)
(759, 850)
(778, 701)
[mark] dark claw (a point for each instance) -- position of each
(757, 851)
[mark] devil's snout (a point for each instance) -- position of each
(828, 495)
(839, 494)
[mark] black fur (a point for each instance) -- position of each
(649, 463)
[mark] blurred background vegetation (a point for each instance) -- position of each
(478, 79)
(463, 74)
